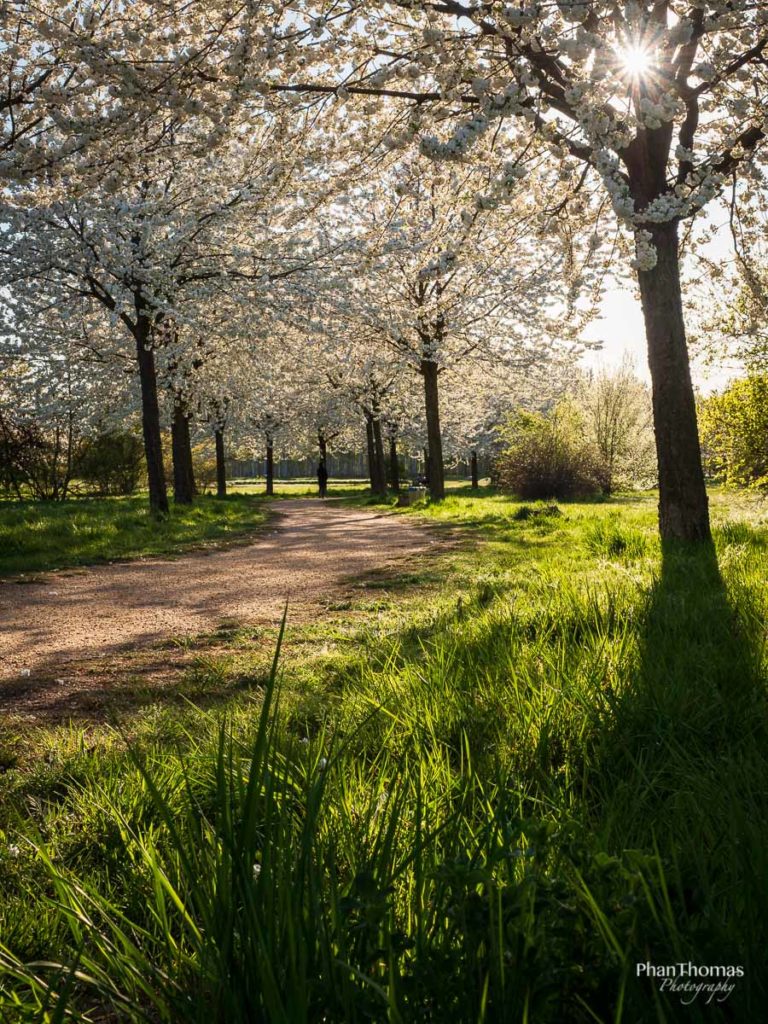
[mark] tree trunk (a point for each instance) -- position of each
(426, 467)
(371, 444)
(683, 507)
(394, 466)
(150, 418)
(322, 445)
(221, 469)
(183, 472)
(380, 485)
(436, 471)
(270, 469)
(473, 470)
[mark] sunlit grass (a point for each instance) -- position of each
(35, 536)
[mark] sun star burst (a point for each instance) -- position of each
(636, 60)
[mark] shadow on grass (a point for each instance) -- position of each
(681, 771)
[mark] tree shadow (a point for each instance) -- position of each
(680, 773)
(696, 686)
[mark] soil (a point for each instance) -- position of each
(63, 634)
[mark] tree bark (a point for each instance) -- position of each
(183, 472)
(394, 466)
(380, 485)
(436, 472)
(683, 506)
(322, 445)
(473, 470)
(270, 475)
(150, 417)
(371, 446)
(221, 469)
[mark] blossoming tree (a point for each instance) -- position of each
(662, 101)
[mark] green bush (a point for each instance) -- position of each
(112, 463)
(734, 432)
(549, 456)
(204, 466)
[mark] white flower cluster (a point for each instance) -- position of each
(645, 251)
(510, 102)
(655, 113)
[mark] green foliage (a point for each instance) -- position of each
(734, 432)
(35, 536)
(549, 456)
(112, 463)
(488, 808)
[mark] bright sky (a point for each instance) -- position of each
(621, 329)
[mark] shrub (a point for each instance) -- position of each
(34, 461)
(204, 466)
(526, 512)
(549, 456)
(112, 463)
(734, 432)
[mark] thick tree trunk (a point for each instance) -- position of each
(394, 466)
(322, 445)
(270, 469)
(380, 485)
(473, 470)
(683, 507)
(221, 469)
(436, 472)
(183, 473)
(150, 418)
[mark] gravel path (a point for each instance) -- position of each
(307, 552)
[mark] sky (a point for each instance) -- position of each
(620, 327)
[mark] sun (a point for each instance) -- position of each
(635, 60)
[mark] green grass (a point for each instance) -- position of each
(481, 792)
(36, 536)
(301, 487)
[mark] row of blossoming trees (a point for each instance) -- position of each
(270, 217)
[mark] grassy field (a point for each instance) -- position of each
(482, 791)
(35, 536)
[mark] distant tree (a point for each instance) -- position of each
(618, 411)
(436, 289)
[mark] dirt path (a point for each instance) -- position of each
(307, 553)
